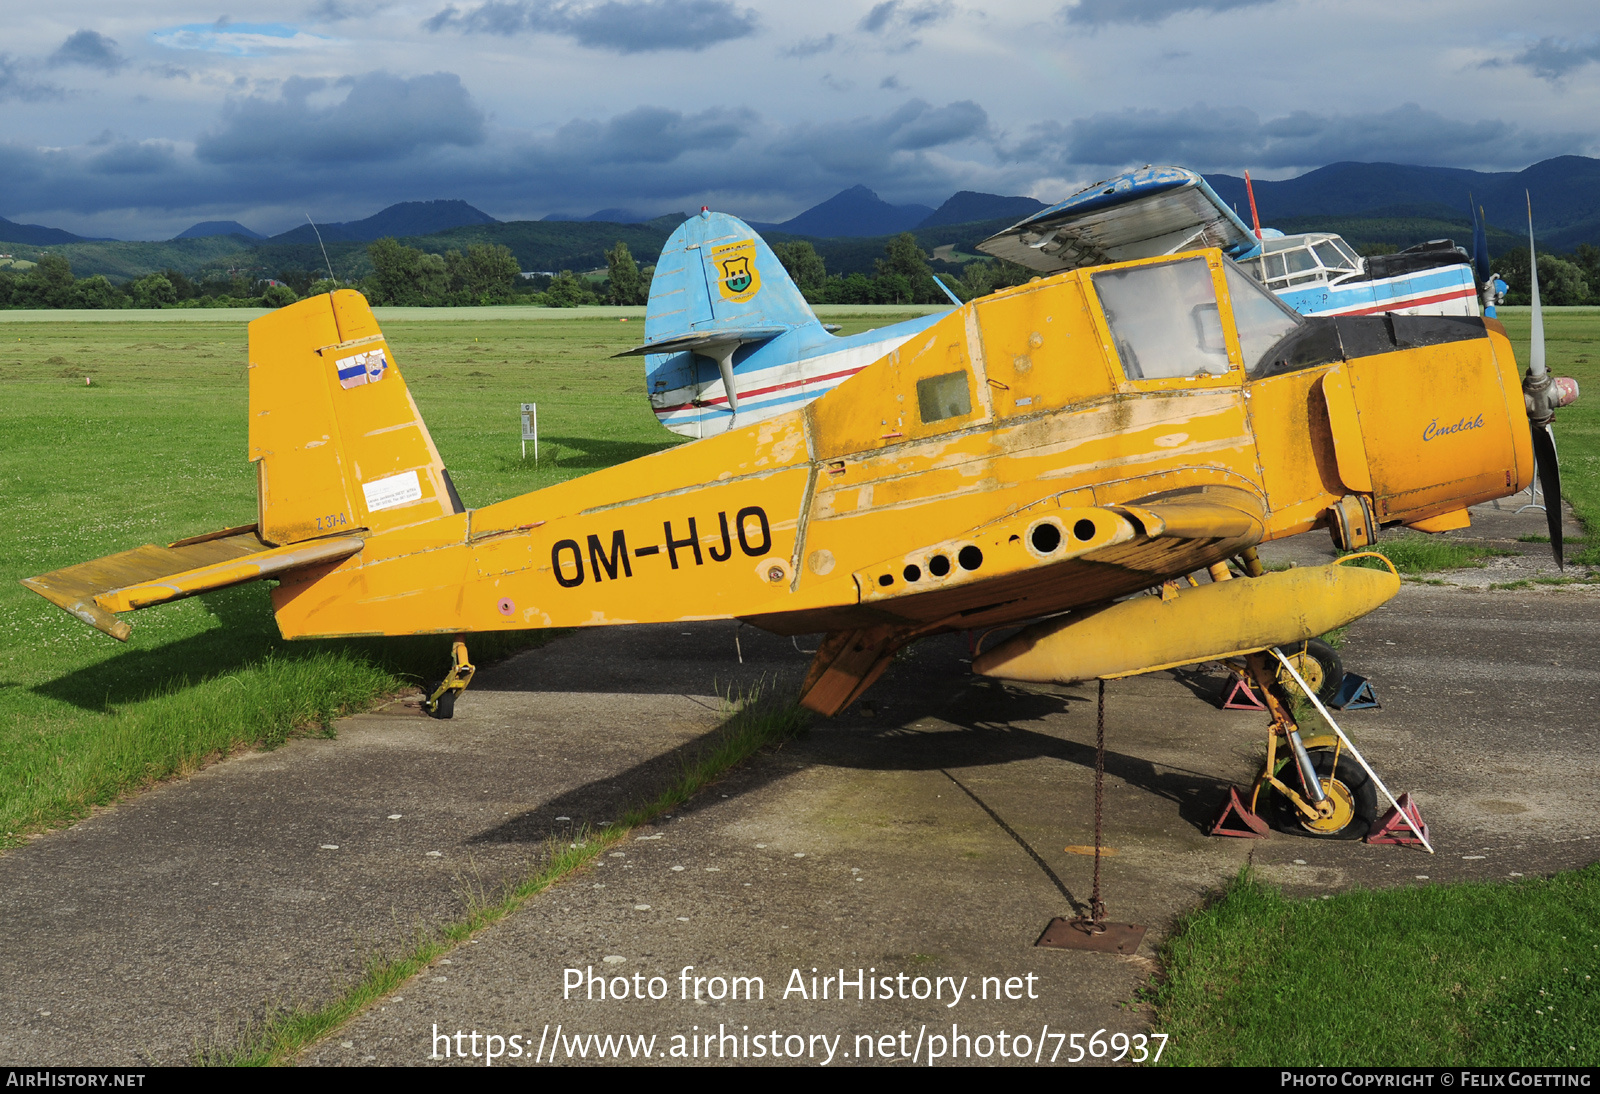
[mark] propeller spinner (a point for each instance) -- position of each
(1543, 394)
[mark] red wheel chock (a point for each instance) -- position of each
(1237, 820)
(1242, 696)
(1394, 829)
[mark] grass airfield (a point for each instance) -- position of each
(153, 449)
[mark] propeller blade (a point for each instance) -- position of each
(1480, 247)
(1536, 368)
(1544, 456)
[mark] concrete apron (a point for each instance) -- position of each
(923, 835)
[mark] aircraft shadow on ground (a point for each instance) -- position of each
(587, 453)
(246, 635)
(658, 659)
(985, 733)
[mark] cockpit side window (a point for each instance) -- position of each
(1164, 320)
(1261, 317)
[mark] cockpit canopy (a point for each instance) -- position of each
(1301, 260)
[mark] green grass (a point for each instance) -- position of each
(1429, 554)
(1468, 974)
(752, 724)
(1572, 348)
(155, 450)
(1465, 974)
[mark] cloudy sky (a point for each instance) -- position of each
(136, 120)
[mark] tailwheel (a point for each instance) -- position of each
(441, 700)
(1317, 663)
(1352, 799)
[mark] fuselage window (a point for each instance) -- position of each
(1164, 320)
(944, 396)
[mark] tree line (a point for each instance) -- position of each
(485, 274)
(1564, 280)
(902, 276)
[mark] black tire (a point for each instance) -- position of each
(1350, 786)
(1327, 664)
(445, 708)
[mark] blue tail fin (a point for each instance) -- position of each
(719, 292)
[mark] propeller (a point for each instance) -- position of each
(1543, 395)
(1480, 245)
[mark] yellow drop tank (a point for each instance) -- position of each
(1223, 619)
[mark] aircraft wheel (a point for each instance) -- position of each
(445, 708)
(1354, 797)
(1318, 664)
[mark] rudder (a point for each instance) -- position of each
(336, 438)
(719, 292)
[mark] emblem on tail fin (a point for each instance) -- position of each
(362, 368)
(737, 277)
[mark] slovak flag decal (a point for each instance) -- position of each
(362, 368)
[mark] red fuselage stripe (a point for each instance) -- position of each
(1396, 305)
(765, 390)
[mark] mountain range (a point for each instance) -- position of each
(1565, 193)
(208, 228)
(1387, 205)
(36, 235)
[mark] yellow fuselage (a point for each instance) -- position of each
(790, 521)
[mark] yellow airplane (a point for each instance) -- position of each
(1038, 456)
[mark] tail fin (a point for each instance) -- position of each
(718, 288)
(335, 436)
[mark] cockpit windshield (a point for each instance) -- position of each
(1261, 317)
(1164, 319)
(1301, 260)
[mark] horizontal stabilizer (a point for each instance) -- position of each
(93, 591)
(702, 341)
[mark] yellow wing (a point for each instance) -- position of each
(1036, 563)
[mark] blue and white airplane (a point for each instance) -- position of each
(1164, 210)
(729, 339)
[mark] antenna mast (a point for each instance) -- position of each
(324, 247)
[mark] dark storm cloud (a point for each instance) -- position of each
(650, 134)
(810, 47)
(384, 117)
(1203, 137)
(133, 158)
(15, 83)
(895, 14)
(896, 21)
(91, 49)
(1099, 13)
(872, 148)
(1552, 58)
(620, 26)
(337, 11)
(349, 159)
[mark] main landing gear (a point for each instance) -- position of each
(1315, 788)
(441, 702)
